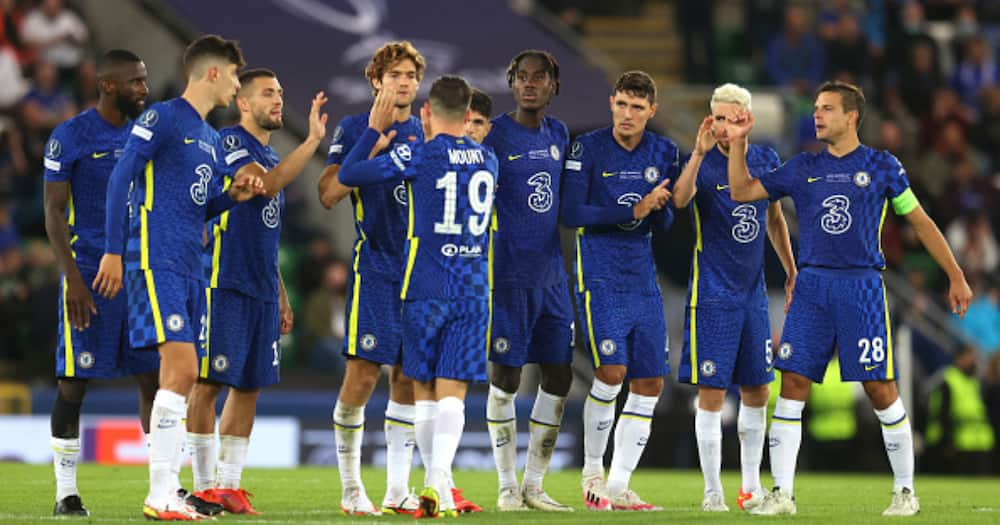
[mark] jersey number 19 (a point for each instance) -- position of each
(480, 200)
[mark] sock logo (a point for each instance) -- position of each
(503, 438)
(603, 425)
(548, 443)
(642, 441)
(773, 442)
(67, 463)
(892, 446)
(166, 423)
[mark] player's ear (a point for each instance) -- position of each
(611, 102)
(652, 110)
(377, 84)
(468, 116)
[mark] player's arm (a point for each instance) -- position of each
(284, 307)
(686, 186)
(959, 293)
(777, 232)
(331, 190)
(358, 172)
(79, 301)
(108, 281)
(285, 172)
(244, 186)
(742, 187)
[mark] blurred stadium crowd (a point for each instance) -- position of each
(929, 69)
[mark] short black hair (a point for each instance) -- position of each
(450, 95)
(249, 75)
(212, 46)
(638, 84)
(548, 60)
(114, 58)
(851, 96)
(481, 103)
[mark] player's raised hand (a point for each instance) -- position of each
(959, 296)
(79, 302)
(383, 110)
(317, 120)
(739, 122)
(656, 199)
(109, 276)
(383, 142)
(245, 186)
(706, 139)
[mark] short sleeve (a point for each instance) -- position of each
(779, 181)
(898, 189)
(344, 137)
(151, 129)
(61, 153)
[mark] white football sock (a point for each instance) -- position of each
(785, 440)
(708, 432)
(898, 439)
(546, 417)
(423, 425)
(203, 460)
(750, 425)
(166, 438)
(349, 429)
(502, 423)
(65, 455)
(399, 443)
(232, 457)
(598, 418)
(631, 434)
(448, 426)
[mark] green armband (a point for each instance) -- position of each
(905, 202)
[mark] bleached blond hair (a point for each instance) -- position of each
(732, 94)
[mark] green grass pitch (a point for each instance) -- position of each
(310, 495)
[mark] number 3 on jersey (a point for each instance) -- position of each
(480, 200)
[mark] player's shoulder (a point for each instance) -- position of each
(762, 153)
(884, 161)
(594, 137)
(69, 130)
(557, 127)
(662, 143)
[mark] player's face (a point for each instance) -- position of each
(266, 101)
(719, 113)
(227, 84)
(477, 127)
(533, 86)
(128, 86)
(400, 79)
(630, 114)
(829, 117)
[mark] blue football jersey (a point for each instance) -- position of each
(244, 239)
(168, 201)
(841, 203)
(728, 263)
(83, 151)
(450, 186)
(620, 256)
(379, 210)
(527, 250)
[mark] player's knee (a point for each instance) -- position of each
(647, 386)
(72, 390)
(711, 399)
(205, 392)
(881, 393)
(557, 379)
(505, 378)
(610, 374)
(755, 395)
(795, 386)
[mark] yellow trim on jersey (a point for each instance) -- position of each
(70, 211)
(352, 321)
(489, 299)
(217, 232)
(359, 210)
(203, 373)
(147, 206)
(881, 223)
(414, 242)
(67, 335)
(695, 275)
(590, 328)
(155, 306)
(890, 373)
(579, 261)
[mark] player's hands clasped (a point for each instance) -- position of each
(656, 199)
(109, 276)
(79, 302)
(317, 120)
(245, 187)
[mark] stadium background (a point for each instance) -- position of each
(934, 97)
